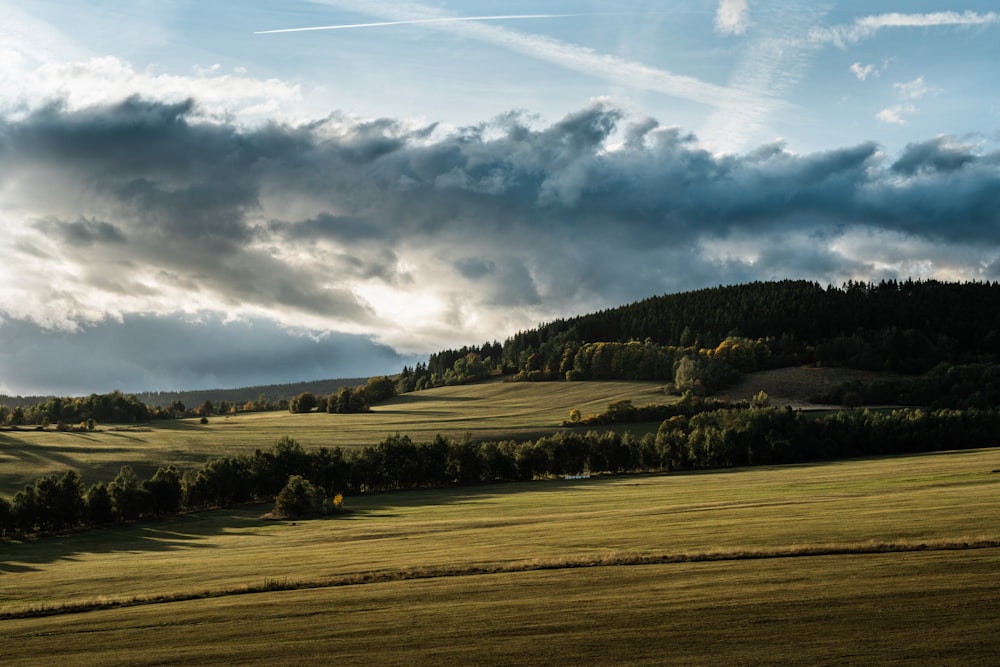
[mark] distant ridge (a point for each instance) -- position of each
(195, 397)
(273, 392)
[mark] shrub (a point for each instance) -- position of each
(298, 498)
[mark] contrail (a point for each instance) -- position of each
(451, 19)
(614, 69)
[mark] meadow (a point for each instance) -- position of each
(491, 410)
(870, 561)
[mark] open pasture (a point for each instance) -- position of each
(933, 605)
(490, 410)
(895, 609)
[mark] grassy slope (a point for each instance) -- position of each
(922, 608)
(930, 606)
(493, 410)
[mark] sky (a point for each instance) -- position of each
(231, 193)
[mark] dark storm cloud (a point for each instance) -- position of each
(934, 155)
(134, 135)
(188, 184)
(475, 267)
(326, 226)
(145, 352)
(82, 232)
(501, 217)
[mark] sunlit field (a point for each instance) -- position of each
(492, 410)
(851, 562)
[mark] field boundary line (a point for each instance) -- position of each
(617, 559)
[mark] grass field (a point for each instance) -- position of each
(783, 586)
(491, 410)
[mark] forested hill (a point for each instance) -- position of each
(907, 326)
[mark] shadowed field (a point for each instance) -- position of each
(897, 609)
(771, 596)
(796, 385)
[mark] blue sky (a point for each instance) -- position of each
(181, 194)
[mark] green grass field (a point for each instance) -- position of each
(490, 410)
(492, 575)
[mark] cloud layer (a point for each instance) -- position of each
(141, 352)
(140, 219)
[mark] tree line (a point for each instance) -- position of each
(250, 399)
(83, 413)
(698, 435)
(114, 407)
(347, 400)
(903, 326)
(961, 386)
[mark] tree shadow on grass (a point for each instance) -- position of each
(195, 530)
(25, 461)
(176, 533)
(37, 453)
(381, 503)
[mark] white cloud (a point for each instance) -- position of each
(907, 92)
(106, 79)
(896, 115)
(40, 65)
(914, 90)
(889, 254)
(732, 17)
(866, 27)
(864, 71)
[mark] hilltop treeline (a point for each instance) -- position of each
(698, 435)
(66, 412)
(256, 398)
(907, 327)
(269, 394)
(85, 412)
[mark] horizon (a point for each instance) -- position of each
(240, 194)
(396, 372)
